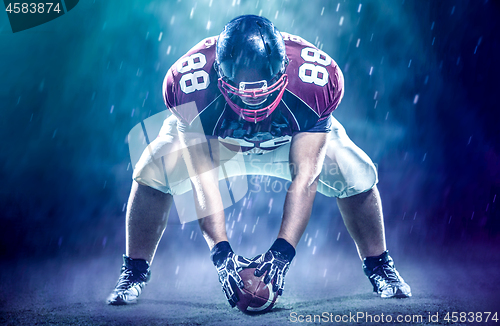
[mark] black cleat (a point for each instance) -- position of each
(385, 278)
(135, 274)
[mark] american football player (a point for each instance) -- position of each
(266, 97)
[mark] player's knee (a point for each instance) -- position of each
(365, 178)
(151, 174)
(371, 176)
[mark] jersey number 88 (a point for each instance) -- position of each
(193, 81)
(199, 79)
(311, 73)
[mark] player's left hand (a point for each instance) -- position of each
(276, 261)
(228, 265)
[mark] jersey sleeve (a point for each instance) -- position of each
(190, 85)
(337, 92)
(314, 78)
(168, 92)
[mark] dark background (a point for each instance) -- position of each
(72, 89)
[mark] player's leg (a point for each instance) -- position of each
(147, 212)
(362, 214)
(350, 175)
(146, 220)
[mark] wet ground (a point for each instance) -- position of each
(72, 291)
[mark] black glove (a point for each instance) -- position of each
(228, 265)
(276, 261)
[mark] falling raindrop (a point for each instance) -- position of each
(415, 99)
(478, 43)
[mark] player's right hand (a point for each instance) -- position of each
(276, 262)
(228, 265)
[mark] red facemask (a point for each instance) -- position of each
(257, 91)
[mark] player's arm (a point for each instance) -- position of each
(202, 163)
(203, 173)
(307, 153)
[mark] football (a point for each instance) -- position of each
(255, 297)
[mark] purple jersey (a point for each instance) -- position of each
(315, 88)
